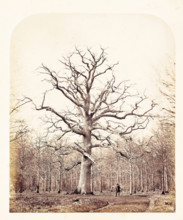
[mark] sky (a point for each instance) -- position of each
(142, 44)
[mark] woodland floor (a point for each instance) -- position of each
(54, 202)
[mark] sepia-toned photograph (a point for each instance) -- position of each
(92, 114)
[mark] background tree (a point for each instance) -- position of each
(166, 130)
(18, 127)
(163, 149)
(167, 90)
(132, 151)
(22, 163)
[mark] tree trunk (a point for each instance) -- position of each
(153, 187)
(109, 182)
(47, 180)
(124, 183)
(84, 186)
(131, 186)
(152, 171)
(134, 183)
(141, 179)
(121, 179)
(101, 183)
(166, 179)
(163, 178)
(111, 178)
(117, 179)
(147, 181)
(92, 179)
(138, 183)
(38, 174)
(43, 184)
(38, 181)
(71, 177)
(60, 179)
(50, 184)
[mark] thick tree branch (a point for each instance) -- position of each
(73, 165)
(64, 119)
(83, 152)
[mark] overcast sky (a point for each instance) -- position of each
(140, 43)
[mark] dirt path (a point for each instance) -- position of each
(52, 202)
(125, 204)
(103, 208)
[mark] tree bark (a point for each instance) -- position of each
(60, 179)
(92, 179)
(38, 177)
(166, 179)
(153, 187)
(84, 186)
(141, 179)
(152, 172)
(111, 178)
(50, 183)
(147, 181)
(163, 180)
(131, 185)
(47, 180)
(117, 159)
(134, 183)
(71, 177)
(101, 183)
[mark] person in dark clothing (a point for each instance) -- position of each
(118, 190)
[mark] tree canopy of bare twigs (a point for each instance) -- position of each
(101, 105)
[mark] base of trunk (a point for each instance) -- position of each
(37, 189)
(76, 191)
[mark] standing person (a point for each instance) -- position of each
(118, 190)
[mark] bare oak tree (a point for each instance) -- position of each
(101, 106)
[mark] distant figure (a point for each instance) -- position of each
(118, 190)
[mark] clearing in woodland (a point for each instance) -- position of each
(52, 202)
